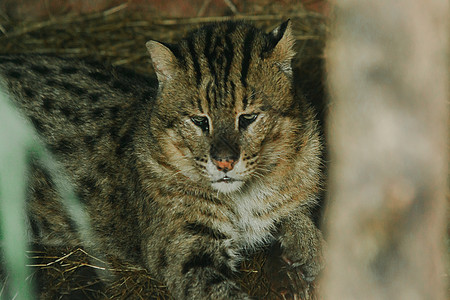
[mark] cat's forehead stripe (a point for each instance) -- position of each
(248, 43)
(222, 47)
(218, 52)
(199, 105)
(229, 50)
(197, 71)
(232, 92)
(209, 53)
(210, 94)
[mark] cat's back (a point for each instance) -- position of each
(85, 113)
(73, 103)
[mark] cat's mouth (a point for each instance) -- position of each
(227, 184)
(226, 179)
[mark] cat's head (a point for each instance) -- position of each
(225, 113)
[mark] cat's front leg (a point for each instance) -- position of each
(198, 266)
(302, 244)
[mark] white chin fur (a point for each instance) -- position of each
(227, 187)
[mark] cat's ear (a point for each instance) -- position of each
(283, 51)
(164, 61)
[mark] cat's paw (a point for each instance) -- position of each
(307, 271)
(286, 281)
(304, 252)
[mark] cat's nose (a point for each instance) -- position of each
(224, 164)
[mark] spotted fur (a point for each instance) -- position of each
(185, 175)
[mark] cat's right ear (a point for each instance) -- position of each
(163, 59)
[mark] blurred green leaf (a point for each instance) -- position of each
(16, 136)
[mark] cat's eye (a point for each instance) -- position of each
(202, 122)
(246, 120)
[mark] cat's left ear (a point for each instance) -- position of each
(163, 59)
(283, 51)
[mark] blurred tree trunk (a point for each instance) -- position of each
(388, 133)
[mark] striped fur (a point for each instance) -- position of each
(188, 175)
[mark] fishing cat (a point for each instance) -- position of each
(187, 174)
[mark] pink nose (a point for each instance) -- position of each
(224, 165)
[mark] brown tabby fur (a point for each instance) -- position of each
(186, 176)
